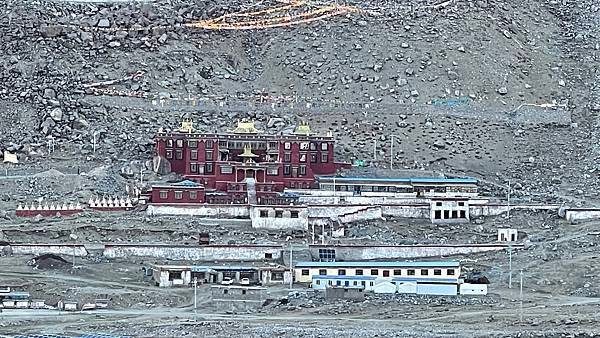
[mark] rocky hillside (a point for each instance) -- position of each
(121, 70)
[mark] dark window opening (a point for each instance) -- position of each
(278, 213)
(438, 214)
(374, 272)
(323, 272)
(305, 272)
(264, 213)
(424, 272)
(386, 273)
(359, 272)
(268, 255)
(437, 272)
(397, 272)
(294, 214)
(463, 214)
(341, 272)
(410, 272)
(454, 213)
(450, 272)
(446, 214)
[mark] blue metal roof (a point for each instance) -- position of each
(400, 180)
(368, 264)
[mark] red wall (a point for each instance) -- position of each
(185, 194)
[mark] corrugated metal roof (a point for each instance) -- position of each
(399, 180)
(369, 264)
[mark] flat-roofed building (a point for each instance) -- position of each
(424, 270)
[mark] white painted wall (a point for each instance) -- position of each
(235, 210)
(285, 222)
(574, 215)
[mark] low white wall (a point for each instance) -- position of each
(200, 210)
(39, 249)
(574, 215)
(369, 213)
(200, 253)
(406, 211)
(285, 222)
(473, 289)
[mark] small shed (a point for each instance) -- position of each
(344, 293)
(473, 289)
(437, 289)
(406, 287)
(384, 287)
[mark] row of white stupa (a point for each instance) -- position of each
(110, 202)
(52, 206)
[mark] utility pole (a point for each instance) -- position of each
(141, 177)
(392, 152)
(195, 293)
(508, 200)
(291, 269)
(521, 296)
(510, 267)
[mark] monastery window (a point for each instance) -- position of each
(342, 272)
(193, 195)
(302, 170)
(193, 167)
(461, 204)
(323, 272)
(398, 272)
(209, 144)
(358, 272)
(386, 273)
(424, 272)
(463, 214)
(450, 272)
(264, 213)
(446, 214)
(437, 272)
(303, 157)
(178, 195)
(313, 146)
(374, 272)
(273, 145)
(324, 158)
(179, 154)
(313, 158)
(169, 143)
(286, 170)
(438, 214)
(269, 255)
(222, 143)
(193, 144)
(294, 214)
(179, 143)
(278, 213)
(318, 282)
(303, 145)
(324, 146)
(208, 168)
(209, 155)
(226, 169)
(287, 157)
(410, 272)
(169, 154)
(273, 171)
(305, 272)
(454, 213)
(287, 146)
(194, 155)
(439, 204)
(164, 195)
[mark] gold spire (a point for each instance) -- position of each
(187, 126)
(245, 127)
(302, 129)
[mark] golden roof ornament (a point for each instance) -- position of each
(302, 129)
(245, 127)
(187, 126)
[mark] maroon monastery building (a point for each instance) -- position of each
(224, 161)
